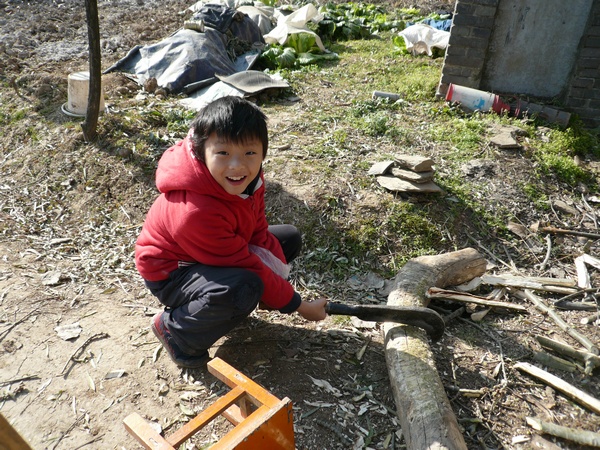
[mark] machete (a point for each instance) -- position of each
(415, 316)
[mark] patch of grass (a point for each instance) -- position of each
(9, 116)
(535, 193)
(557, 155)
(465, 135)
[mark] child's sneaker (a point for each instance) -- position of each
(176, 354)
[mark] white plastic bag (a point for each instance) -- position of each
(271, 261)
(421, 38)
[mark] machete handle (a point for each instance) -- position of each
(420, 317)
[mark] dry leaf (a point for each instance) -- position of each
(67, 332)
(156, 353)
(91, 382)
(479, 315)
(186, 410)
(361, 352)
(114, 374)
(327, 386)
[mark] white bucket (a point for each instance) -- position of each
(79, 83)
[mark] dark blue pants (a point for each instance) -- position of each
(204, 302)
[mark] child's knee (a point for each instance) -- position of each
(247, 291)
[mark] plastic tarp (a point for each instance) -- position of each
(189, 56)
(421, 38)
(295, 23)
(239, 84)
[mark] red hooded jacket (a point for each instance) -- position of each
(195, 220)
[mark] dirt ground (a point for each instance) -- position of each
(58, 270)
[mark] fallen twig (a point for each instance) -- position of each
(590, 319)
(490, 253)
(81, 347)
(554, 230)
(582, 437)
(446, 294)
(14, 324)
(16, 380)
(571, 391)
(591, 361)
(548, 251)
(540, 305)
(563, 302)
(555, 362)
(73, 425)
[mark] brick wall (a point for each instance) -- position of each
(583, 94)
(468, 46)
(469, 39)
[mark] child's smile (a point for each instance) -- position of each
(233, 165)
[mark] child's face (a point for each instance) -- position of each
(232, 165)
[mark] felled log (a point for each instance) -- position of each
(425, 413)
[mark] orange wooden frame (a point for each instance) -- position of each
(260, 419)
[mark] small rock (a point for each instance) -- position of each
(505, 140)
(380, 168)
(397, 185)
(150, 85)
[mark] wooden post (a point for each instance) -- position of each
(93, 106)
(424, 410)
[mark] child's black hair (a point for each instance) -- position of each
(231, 118)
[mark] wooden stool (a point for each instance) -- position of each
(261, 420)
(10, 439)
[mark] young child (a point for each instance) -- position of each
(206, 250)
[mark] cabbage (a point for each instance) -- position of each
(302, 42)
(287, 59)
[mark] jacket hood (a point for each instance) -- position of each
(179, 170)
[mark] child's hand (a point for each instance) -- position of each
(313, 310)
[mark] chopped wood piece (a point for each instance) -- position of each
(540, 305)
(397, 185)
(470, 298)
(554, 362)
(591, 361)
(583, 277)
(416, 177)
(569, 390)
(582, 437)
(562, 286)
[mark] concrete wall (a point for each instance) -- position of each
(533, 46)
(548, 49)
